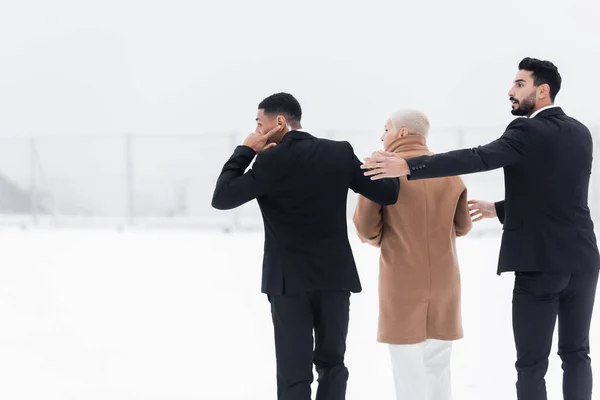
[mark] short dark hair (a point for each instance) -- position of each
(543, 72)
(284, 104)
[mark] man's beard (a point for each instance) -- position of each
(525, 107)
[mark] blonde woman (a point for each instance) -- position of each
(419, 279)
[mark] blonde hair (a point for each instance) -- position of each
(415, 121)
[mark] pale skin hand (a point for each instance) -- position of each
(384, 164)
(480, 209)
(258, 142)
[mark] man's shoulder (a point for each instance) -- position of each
(520, 129)
(276, 153)
(519, 123)
(576, 123)
(286, 150)
(548, 122)
(290, 149)
(331, 141)
(336, 145)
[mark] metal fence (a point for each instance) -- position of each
(168, 180)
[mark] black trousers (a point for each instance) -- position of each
(538, 299)
(295, 318)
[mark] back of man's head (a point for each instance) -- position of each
(282, 104)
(543, 72)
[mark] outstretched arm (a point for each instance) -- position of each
(509, 149)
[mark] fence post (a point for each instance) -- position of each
(32, 181)
(130, 182)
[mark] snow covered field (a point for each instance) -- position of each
(175, 315)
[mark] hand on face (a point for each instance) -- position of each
(384, 164)
(258, 141)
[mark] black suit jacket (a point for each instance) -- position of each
(302, 188)
(547, 163)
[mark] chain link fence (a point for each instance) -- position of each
(168, 180)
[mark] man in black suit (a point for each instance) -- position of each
(301, 184)
(548, 237)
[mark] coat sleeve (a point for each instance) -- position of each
(368, 220)
(462, 216)
(500, 210)
(383, 192)
(234, 187)
(511, 148)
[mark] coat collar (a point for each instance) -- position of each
(408, 143)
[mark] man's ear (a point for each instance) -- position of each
(281, 121)
(403, 132)
(544, 91)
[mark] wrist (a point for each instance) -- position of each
(404, 166)
(248, 149)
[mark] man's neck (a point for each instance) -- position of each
(289, 128)
(540, 108)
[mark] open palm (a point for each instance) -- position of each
(480, 209)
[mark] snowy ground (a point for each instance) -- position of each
(173, 315)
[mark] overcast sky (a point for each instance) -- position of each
(143, 66)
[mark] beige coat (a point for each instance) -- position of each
(419, 279)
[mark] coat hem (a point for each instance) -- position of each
(419, 339)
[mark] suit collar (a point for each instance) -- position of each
(548, 111)
(296, 135)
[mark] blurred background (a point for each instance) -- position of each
(117, 280)
(122, 113)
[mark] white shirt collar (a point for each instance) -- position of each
(298, 130)
(542, 109)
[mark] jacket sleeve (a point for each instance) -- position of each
(383, 192)
(509, 149)
(368, 220)
(234, 187)
(462, 216)
(500, 210)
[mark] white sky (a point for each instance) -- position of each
(116, 66)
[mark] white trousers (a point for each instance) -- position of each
(422, 370)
